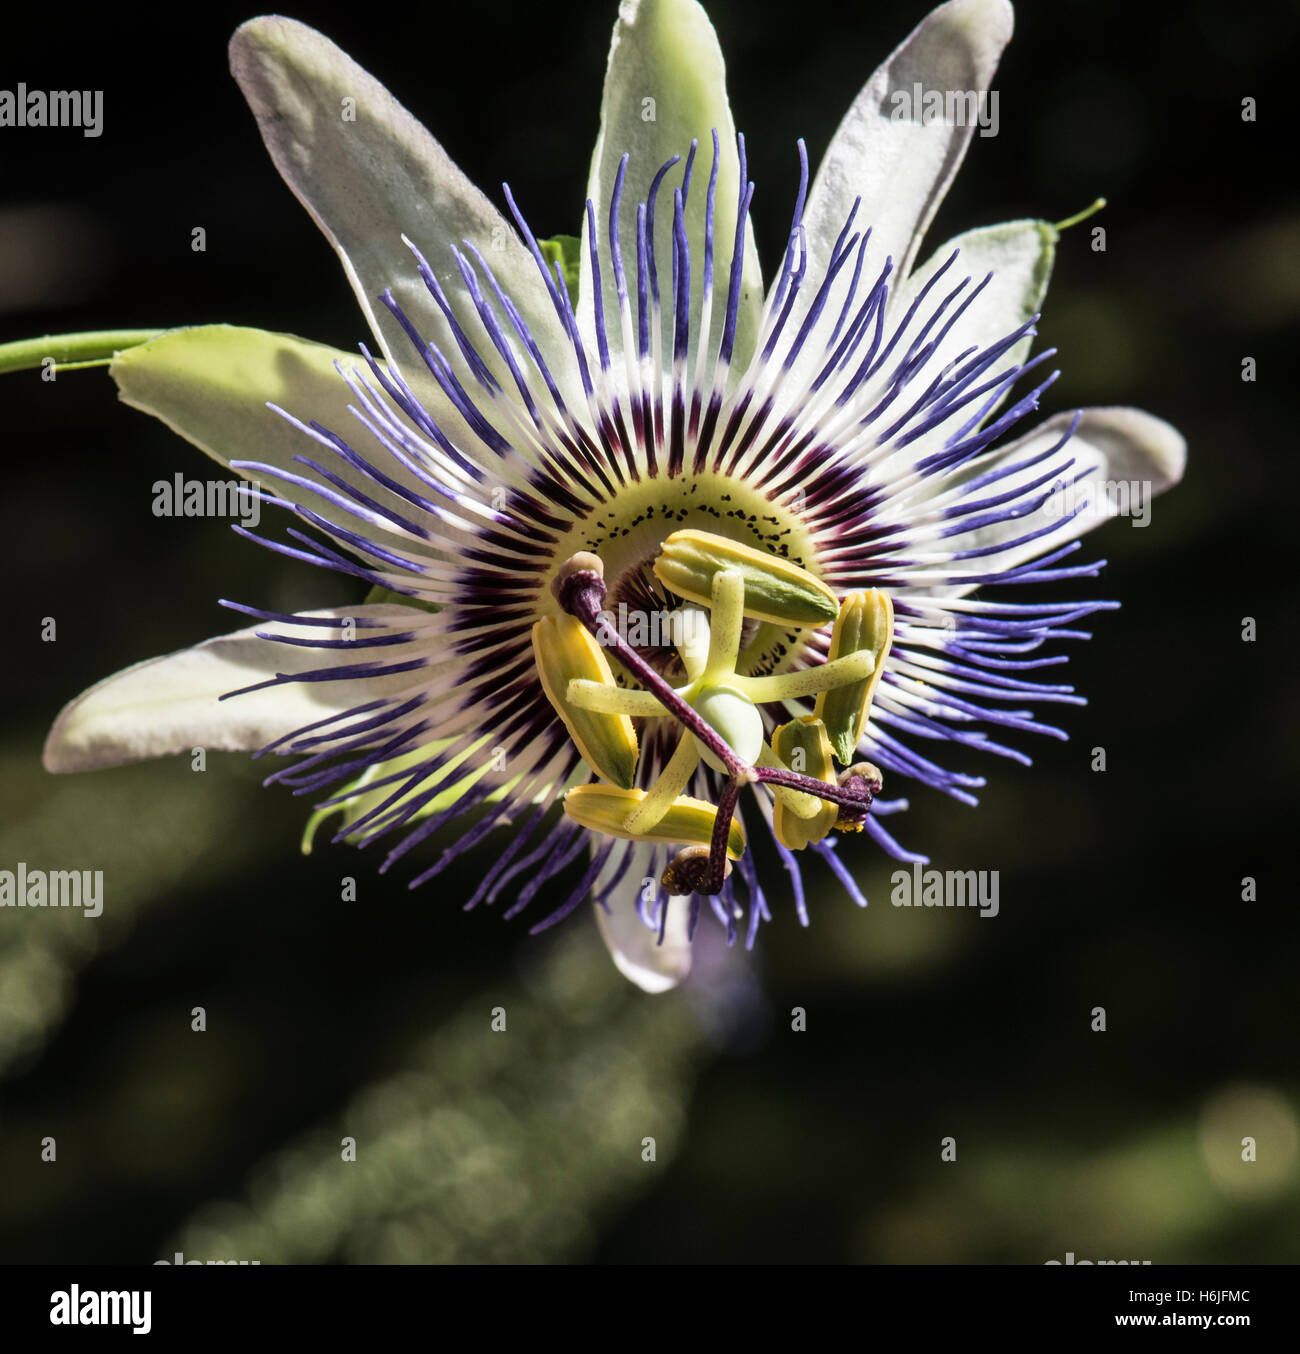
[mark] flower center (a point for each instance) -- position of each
(646, 615)
(717, 709)
(627, 532)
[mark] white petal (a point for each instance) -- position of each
(1110, 447)
(171, 704)
(635, 948)
(368, 173)
(901, 166)
(1019, 254)
(666, 51)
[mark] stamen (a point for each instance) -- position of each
(716, 698)
(727, 620)
(673, 779)
(838, 672)
(614, 700)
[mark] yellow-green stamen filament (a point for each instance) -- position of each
(673, 779)
(613, 700)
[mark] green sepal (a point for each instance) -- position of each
(566, 250)
(362, 800)
(387, 595)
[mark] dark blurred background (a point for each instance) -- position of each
(371, 1019)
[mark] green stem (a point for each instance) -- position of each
(72, 350)
(1079, 216)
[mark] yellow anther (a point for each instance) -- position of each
(775, 589)
(803, 746)
(689, 822)
(865, 624)
(564, 651)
